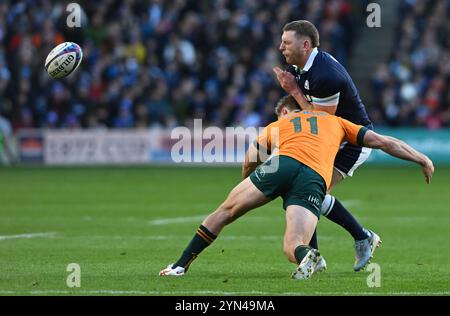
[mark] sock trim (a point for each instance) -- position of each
(306, 247)
(186, 267)
(205, 237)
(210, 236)
(333, 200)
(207, 232)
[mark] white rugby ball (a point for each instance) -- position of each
(63, 60)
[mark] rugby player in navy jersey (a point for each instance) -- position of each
(318, 81)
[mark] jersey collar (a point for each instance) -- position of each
(310, 60)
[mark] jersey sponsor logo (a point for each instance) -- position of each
(307, 84)
(314, 200)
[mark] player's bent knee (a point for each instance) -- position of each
(327, 204)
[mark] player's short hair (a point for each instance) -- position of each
(304, 28)
(286, 101)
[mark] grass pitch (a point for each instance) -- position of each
(122, 225)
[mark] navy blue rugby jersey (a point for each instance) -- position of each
(324, 81)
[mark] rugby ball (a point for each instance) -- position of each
(63, 60)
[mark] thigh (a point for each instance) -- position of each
(244, 197)
(300, 226)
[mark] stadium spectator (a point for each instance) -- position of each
(414, 84)
(5, 133)
(155, 62)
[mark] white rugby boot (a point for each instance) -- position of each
(364, 250)
(307, 267)
(321, 265)
(177, 271)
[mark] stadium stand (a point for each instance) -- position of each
(162, 63)
(150, 63)
(412, 88)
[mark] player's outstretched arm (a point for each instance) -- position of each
(399, 149)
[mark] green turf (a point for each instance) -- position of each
(103, 219)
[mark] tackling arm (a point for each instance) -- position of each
(399, 149)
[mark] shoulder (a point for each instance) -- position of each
(272, 125)
(327, 69)
(326, 78)
(346, 124)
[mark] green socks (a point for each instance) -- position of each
(202, 239)
(300, 252)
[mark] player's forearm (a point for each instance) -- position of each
(400, 149)
(301, 100)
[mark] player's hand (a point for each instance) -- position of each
(286, 80)
(427, 169)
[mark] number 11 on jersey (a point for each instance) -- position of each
(312, 124)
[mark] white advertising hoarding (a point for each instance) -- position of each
(96, 147)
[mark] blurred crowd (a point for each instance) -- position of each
(162, 63)
(155, 63)
(412, 88)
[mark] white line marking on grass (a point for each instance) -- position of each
(268, 237)
(415, 219)
(122, 237)
(190, 219)
(176, 220)
(173, 237)
(351, 203)
(33, 235)
(194, 293)
(366, 293)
